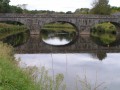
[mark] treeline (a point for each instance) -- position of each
(101, 7)
(113, 9)
(15, 9)
(6, 8)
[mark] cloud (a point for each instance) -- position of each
(58, 5)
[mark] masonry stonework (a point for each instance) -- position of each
(83, 23)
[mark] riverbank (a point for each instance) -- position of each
(9, 29)
(59, 27)
(11, 76)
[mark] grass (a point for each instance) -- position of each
(85, 84)
(12, 77)
(8, 29)
(59, 27)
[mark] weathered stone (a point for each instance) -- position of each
(82, 22)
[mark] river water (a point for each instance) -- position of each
(83, 59)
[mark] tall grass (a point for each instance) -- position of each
(83, 83)
(11, 76)
(31, 78)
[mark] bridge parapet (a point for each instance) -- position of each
(14, 15)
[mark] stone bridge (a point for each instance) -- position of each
(83, 44)
(82, 23)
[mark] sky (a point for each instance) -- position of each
(59, 5)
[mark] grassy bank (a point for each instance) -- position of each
(11, 76)
(57, 27)
(8, 29)
(106, 27)
(104, 33)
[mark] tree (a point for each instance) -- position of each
(4, 6)
(82, 11)
(15, 9)
(68, 12)
(101, 7)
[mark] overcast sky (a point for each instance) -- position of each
(59, 5)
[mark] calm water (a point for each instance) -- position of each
(100, 63)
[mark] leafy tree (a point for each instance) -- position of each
(101, 7)
(82, 11)
(15, 9)
(68, 12)
(4, 6)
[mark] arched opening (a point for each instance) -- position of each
(104, 33)
(59, 33)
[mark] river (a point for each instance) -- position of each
(78, 58)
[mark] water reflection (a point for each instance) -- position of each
(104, 34)
(78, 64)
(83, 44)
(84, 55)
(57, 38)
(101, 55)
(17, 39)
(104, 39)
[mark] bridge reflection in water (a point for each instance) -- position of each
(83, 44)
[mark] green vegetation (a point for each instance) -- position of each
(82, 11)
(7, 29)
(105, 33)
(101, 7)
(115, 9)
(59, 27)
(14, 78)
(6, 8)
(106, 27)
(17, 39)
(98, 7)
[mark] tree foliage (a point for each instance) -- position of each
(115, 9)
(4, 6)
(15, 9)
(101, 7)
(82, 11)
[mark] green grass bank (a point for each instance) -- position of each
(11, 76)
(58, 27)
(9, 29)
